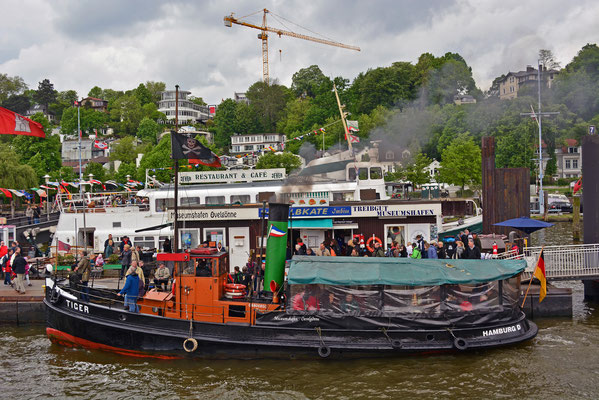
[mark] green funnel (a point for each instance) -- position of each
(276, 244)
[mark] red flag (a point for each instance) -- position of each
(540, 275)
(62, 246)
(7, 193)
(100, 145)
(577, 186)
(12, 123)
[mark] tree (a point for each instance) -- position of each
(461, 162)
(124, 170)
(126, 113)
(63, 101)
(306, 81)
(11, 85)
(416, 172)
(125, 151)
(155, 159)
(224, 123)
(45, 93)
(90, 120)
(97, 169)
(96, 92)
(155, 89)
(18, 103)
(148, 130)
(515, 145)
(268, 102)
(245, 119)
(547, 60)
(285, 160)
(13, 174)
(143, 94)
(197, 100)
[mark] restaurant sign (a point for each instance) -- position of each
(249, 175)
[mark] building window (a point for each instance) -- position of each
(575, 164)
(572, 150)
(248, 148)
(567, 164)
(389, 155)
(215, 236)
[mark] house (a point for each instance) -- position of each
(95, 104)
(433, 169)
(189, 112)
(256, 142)
(40, 108)
(89, 153)
(240, 98)
(463, 99)
(569, 159)
(514, 81)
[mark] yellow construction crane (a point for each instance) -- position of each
(263, 36)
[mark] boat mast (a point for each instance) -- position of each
(176, 239)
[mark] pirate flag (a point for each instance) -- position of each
(187, 148)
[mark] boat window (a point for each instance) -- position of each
(376, 173)
(145, 242)
(411, 299)
(186, 268)
(363, 174)
(215, 200)
(190, 201)
(240, 198)
(354, 300)
(161, 240)
(472, 297)
(511, 292)
(352, 174)
(163, 204)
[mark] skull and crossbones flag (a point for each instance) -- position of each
(187, 148)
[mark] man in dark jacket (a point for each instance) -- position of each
(18, 266)
(472, 252)
(441, 250)
(378, 250)
(84, 268)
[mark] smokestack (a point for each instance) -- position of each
(276, 244)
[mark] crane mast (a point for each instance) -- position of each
(263, 36)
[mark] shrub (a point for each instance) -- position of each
(113, 259)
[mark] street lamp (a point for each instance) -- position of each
(91, 185)
(47, 179)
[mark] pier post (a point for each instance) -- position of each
(590, 193)
(576, 218)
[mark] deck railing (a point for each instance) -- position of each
(562, 262)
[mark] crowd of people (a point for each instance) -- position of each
(15, 268)
(466, 245)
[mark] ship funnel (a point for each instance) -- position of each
(276, 245)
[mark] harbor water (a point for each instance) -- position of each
(561, 362)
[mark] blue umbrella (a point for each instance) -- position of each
(525, 224)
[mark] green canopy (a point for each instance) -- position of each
(352, 271)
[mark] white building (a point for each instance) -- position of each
(256, 142)
(189, 112)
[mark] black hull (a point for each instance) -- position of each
(74, 323)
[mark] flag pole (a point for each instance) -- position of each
(531, 278)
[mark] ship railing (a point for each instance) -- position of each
(187, 311)
(562, 262)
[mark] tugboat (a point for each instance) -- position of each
(329, 307)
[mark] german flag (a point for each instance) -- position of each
(540, 275)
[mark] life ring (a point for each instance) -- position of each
(324, 351)
(194, 345)
(234, 286)
(370, 249)
(460, 343)
(396, 343)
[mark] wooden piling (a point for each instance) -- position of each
(576, 218)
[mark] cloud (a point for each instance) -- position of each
(116, 44)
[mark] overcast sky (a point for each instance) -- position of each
(118, 44)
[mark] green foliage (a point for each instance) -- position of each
(90, 120)
(268, 102)
(143, 94)
(224, 123)
(515, 146)
(126, 114)
(197, 100)
(416, 172)
(13, 174)
(96, 92)
(113, 259)
(461, 162)
(246, 120)
(148, 130)
(45, 93)
(11, 85)
(307, 81)
(18, 103)
(125, 151)
(63, 101)
(64, 173)
(158, 156)
(285, 160)
(155, 89)
(67, 259)
(124, 170)
(95, 168)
